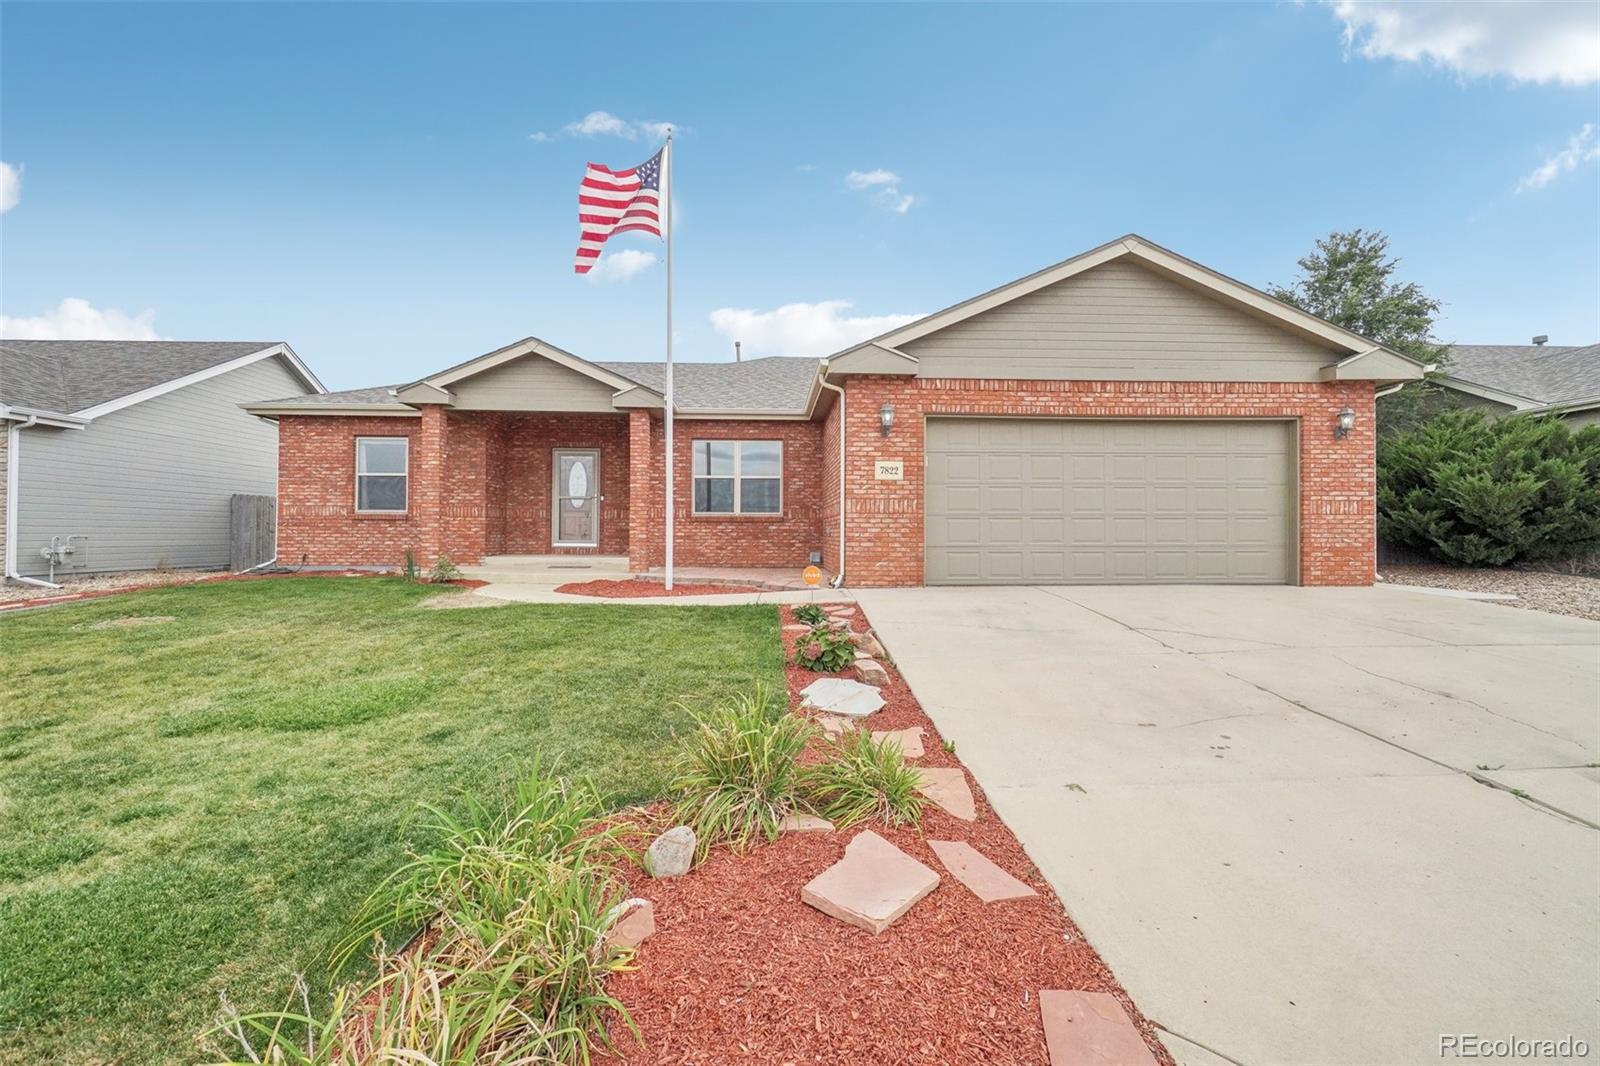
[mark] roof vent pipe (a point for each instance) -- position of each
(1540, 340)
(737, 356)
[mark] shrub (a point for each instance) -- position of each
(1474, 491)
(409, 568)
(811, 614)
(444, 570)
(828, 650)
(738, 773)
(865, 778)
(516, 900)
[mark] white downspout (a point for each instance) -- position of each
(13, 480)
(838, 579)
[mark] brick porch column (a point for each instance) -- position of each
(427, 483)
(645, 516)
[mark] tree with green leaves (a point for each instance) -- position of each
(1349, 280)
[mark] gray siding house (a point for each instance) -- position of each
(128, 451)
(1543, 379)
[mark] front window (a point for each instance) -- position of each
(381, 473)
(738, 477)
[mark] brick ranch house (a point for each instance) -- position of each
(1125, 416)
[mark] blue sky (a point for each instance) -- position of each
(391, 188)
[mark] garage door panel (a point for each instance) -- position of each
(1077, 500)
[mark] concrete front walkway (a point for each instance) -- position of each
(1302, 825)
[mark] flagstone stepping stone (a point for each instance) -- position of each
(872, 886)
(947, 787)
(633, 921)
(908, 740)
(1090, 1029)
(972, 868)
(670, 854)
(835, 726)
(804, 823)
(872, 672)
(842, 696)
(797, 629)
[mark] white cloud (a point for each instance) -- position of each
(605, 124)
(75, 320)
(1581, 148)
(622, 265)
(802, 329)
(883, 187)
(10, 187)
(1518, 39)
(541, 136)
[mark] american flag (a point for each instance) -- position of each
(616, 201)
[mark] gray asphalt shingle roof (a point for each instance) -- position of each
(1546, 373)
(68, 376)
(771, 385)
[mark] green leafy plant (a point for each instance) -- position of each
(444, 570)
(865, 778)
(827, 650)
(811, 614)
(738, 771)
(513, 903)
(949, 747)
(409, 568)
(1475, 491)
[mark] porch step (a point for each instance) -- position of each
(548, 569)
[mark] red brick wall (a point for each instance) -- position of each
(490, 493)
(1337, 477)
(783, 540)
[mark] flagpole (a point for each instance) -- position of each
(666, 168)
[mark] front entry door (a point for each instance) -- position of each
(576, 519)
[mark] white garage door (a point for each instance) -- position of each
(1114, 501)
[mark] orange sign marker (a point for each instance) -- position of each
(812, 575)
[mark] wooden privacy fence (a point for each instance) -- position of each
(252, 530)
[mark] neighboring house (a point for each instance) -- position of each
(1503, 379)
(1124, 416)
(128, 451)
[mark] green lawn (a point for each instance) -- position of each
(201, 804)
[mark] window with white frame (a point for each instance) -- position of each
(738, 477)
(381, 469)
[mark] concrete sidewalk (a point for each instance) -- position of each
(1286, 816)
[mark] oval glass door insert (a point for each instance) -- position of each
(577, 484)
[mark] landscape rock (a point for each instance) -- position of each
(804, 823)
(839, 695)
(909, 741)
(947, 787)
(835, 726)
(972, 868)
(868, 645)
(633, 921)
(1090, 1029)
(670, 854)
(872, 672)
(797, 628)
(872, 886)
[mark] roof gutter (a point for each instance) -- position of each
(822, 379)
(13, 480)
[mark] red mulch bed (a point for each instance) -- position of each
(629, 589)
(740, 970)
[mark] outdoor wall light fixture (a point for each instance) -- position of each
(1344, 423)
(886, 418)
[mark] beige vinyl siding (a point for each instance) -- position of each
(532, 383)
(149, 484)
(1119, 322)
(1102, 501)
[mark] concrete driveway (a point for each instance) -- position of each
(1302, 825)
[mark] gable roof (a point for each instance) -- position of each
(1539, 374)
(1340, 341)
(87, 378)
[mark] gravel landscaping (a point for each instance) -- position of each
(636, 588)
(102, 583)
(1538, 590)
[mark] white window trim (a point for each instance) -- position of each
(737, 476)
(361, 474)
